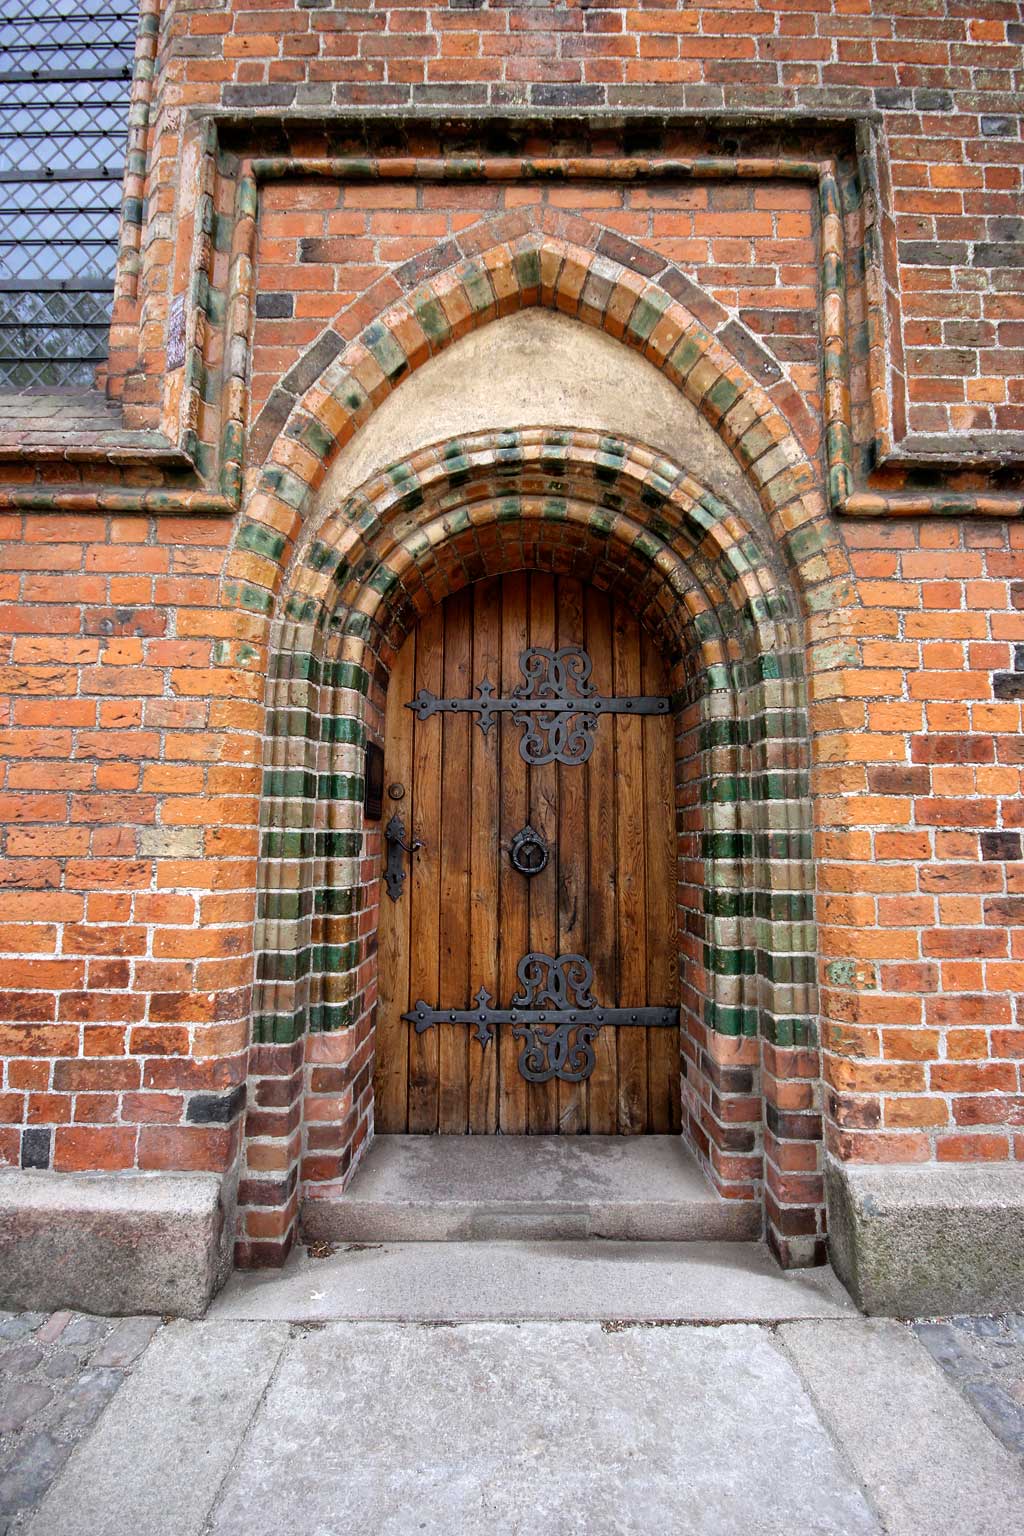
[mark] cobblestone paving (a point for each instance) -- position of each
(57, 1374)
(984, 1356)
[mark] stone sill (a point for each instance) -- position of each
(983, 450)
(78, 426)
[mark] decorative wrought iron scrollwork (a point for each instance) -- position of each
(554, 1013)
(557, 1050)
(556, 703)
(549, 982)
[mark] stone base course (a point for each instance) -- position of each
(112, 1245)
(920, 1241)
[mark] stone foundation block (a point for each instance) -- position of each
(112, 1243)
(920, 1242)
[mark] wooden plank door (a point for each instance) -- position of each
(466, 916)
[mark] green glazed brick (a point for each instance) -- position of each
(647, 311)
(344, 729)
(386, 352)
(729, 962)
(793, 1032)
(335, 958)
(328, 1018)
(312, 434)
(526, 265)
(289, 783)
(336, 902)
(340, 786)
(786, 968)
(723, 903)
(284, 905)
(280, 482)
(733, 1021)
(477, 286)
(384, 580)
(245, 595)
(345, 674)
(359, 624)
(555, 510)
(784, 906)
(457, 466)
(722, 395)
(724, 791)
(295, 665)
(277, 1028)
(286, 843)
(302, 609)
(726, 845)
(431, 318)
(339, 845)
(782, 844)
(283, 964)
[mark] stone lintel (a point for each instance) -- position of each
(924, 1241)
(113, 1243)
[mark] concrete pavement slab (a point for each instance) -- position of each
(548, 1429)
(929, 1462)
(732, 1282)
(154, 1463)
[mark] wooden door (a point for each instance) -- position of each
(466, 916)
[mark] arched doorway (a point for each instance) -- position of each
(721, 577)
(545, 872)
(610, 514)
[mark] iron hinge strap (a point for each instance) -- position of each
(556, 703)
(486, 705)
(554, 1013)
(485, 1019)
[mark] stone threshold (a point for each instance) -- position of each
(554, 1188)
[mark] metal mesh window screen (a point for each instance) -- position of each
(65, 79)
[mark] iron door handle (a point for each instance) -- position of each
(394, 870)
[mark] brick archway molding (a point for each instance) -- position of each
(727, 603)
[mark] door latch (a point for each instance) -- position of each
(394, 872)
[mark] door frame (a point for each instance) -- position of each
(722, 612)
(464, 918)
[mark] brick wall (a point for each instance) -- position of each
(126, 797)
(133, 666)
(920, 872)
(943, 80)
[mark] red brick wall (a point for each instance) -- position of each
(942, 79)
(750, 248)
(131, 694)
(127, 800)
(920, 874)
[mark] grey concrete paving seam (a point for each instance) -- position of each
(509, 1281)
(926, 1461)
(156, 1460)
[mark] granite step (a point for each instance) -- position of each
(489, 1188)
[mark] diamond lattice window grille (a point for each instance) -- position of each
(65, 77)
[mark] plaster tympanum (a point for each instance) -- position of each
(538, 368)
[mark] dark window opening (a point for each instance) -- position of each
(65, 81)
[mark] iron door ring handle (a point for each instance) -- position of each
(528, 852)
